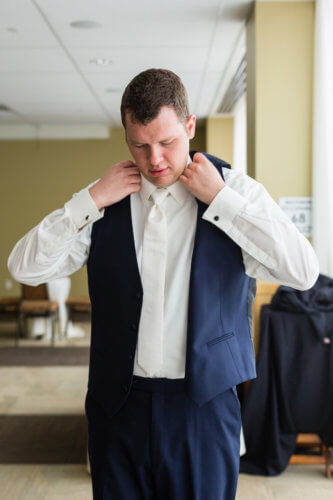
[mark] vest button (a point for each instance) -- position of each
(138, 295)
(216, 217)
(133, 326)
(130, 356)
(125, 388)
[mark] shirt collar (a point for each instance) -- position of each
(177, 190)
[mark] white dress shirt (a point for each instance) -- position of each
(272, 247)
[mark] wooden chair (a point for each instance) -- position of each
(35, 303)
(10, 312)
(78, 309)
(265, 291)
(321, 454)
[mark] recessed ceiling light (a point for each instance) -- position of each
(85, 25)
(101, 61)
(12, 30)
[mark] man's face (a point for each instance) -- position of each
(160, 148)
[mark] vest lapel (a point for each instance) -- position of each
(122, 225)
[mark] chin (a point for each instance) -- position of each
(164, 182)
(160, 182)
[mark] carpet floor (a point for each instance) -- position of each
(44, 356)
(43, 439)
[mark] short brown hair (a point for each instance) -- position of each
(149, 91)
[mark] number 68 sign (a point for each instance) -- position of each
(298, 209)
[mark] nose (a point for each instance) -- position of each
(155, 155)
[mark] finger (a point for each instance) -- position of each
(135, 180)
(188, 172)
(196, 164)
(128, 164)
(132, 171)
(192, 167)
(199, 157)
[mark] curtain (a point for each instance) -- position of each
(322, 182)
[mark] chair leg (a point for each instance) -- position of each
(20, 329)
(52, 329)
(17, 333)
(328, 451)
(60, 335)
(67, 321)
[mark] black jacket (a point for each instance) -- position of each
(294, 389)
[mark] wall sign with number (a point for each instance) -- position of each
(298, 209)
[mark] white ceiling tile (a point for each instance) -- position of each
(136, 59)
(44, 65)
(68, 111)
(22, 25)
(45, 88)
(35, 60)
(218, 59)
(207, 92)
(80, 117)
(128, 23)
(11, 118)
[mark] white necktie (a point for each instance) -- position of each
(150, 342)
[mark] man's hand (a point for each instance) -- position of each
(202, 179)
(119, 181)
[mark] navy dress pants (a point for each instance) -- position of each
(162, 446)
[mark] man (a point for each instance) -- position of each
(173, 245)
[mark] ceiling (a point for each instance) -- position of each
(47, 78)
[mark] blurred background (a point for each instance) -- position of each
(259, 79)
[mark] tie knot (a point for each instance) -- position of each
(159, 195)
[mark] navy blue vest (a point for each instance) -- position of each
(219, 345)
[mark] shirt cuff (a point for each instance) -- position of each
(83, 209)
(224, 208)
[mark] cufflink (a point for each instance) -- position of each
(87, 217)
(216, 217)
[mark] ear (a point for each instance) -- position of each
(190, 126)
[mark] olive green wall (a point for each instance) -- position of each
(280, 77)
(220, 137)
(40, 176)
(198, 143)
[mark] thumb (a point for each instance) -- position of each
(199, 158)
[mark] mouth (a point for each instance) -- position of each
(157, 173)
